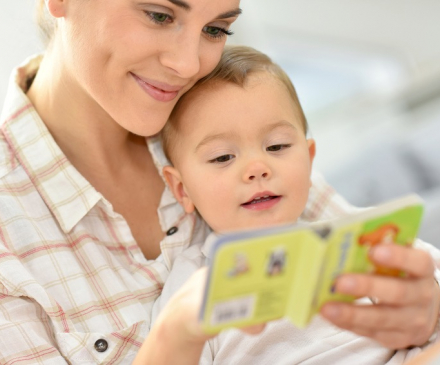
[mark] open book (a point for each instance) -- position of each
(289, 271)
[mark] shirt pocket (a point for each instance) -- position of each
(118, 347)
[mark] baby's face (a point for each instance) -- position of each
(242, 158)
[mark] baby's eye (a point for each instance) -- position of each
(222, 159)
(278, 147)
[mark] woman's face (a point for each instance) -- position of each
(133, 59)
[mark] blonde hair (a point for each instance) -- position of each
(46, 23)
(235, 66)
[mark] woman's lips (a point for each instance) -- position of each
(158, 91)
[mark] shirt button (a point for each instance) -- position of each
(101, 345)
(172, 230)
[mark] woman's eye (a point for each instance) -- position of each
(216, 32)
(222, 159)
(159, 18)
(277, 147)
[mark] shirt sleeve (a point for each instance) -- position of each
(324, 202)
(25, 332)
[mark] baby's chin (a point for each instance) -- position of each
(258, 224)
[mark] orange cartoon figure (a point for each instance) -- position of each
(384, 235)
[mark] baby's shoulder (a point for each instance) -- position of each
(193, 254)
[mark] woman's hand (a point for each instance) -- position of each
(406, 309)
(177, 336)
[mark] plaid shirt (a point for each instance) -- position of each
(71, 273)
(74, 286)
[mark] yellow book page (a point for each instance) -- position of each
(349, 247)
(251, 280)
(305, 278)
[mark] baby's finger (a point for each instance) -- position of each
(416, 263)
(387, 289)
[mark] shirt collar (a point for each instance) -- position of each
(208, 245)
(67, 194)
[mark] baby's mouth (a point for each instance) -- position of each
(261, 199)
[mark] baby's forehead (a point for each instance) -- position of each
(203, 92)
(194, 106)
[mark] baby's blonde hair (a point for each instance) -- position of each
(236, 65)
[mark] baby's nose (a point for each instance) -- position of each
(256, 171)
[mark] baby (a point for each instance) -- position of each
(241, 158)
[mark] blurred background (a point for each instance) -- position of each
(367, 74)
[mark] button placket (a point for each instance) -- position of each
(101, 345)
(172, 230)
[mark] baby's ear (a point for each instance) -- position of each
(312, 149)
(312, 152)
(174, 181)
(56, 8)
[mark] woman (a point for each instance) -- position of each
(88, 232)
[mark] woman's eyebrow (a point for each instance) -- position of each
(181, 4)
(229, 14)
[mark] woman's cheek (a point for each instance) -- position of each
(210, 57)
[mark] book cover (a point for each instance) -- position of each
(289, 271)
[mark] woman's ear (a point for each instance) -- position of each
(56, 8)
(174, 181)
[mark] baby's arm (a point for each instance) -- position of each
(176, 336)
(179, 302)
(186, 264)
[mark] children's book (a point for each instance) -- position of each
(289, 271)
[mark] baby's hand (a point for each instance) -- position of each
(177, 336)
(406, 309)
(184, 308)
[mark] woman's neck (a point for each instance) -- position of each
(86, 134)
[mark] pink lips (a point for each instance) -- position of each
(262, 201)
(157, 90)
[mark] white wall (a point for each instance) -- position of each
(18, 37)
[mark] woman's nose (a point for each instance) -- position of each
(257, 170)
(182, 54)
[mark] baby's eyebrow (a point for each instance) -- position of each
(279, 124)
(213, 137)
(232, 135)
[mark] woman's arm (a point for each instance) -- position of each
(406, 309)
(25, 332)
(392, 321)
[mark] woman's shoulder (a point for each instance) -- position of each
(7, 160)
